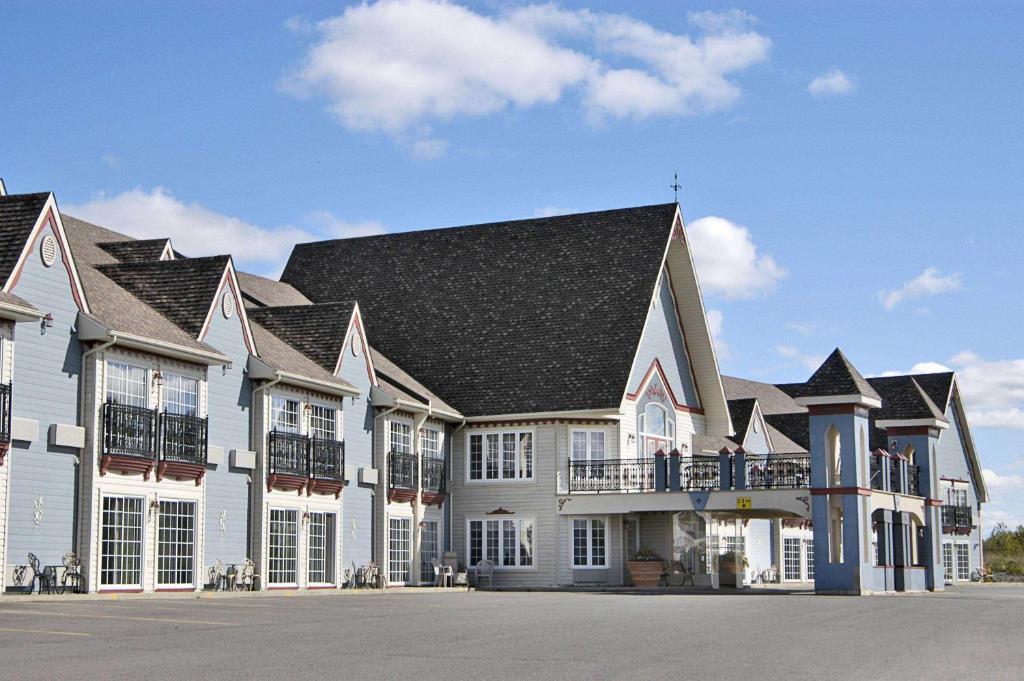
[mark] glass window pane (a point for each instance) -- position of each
(526, 543)
(476, 542)
(476, 456)
(579, 542)
(492, 456)
(597, 543)
(526, 455)
(323, 422)
(508, 456)
(284, 414)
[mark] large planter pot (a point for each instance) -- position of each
(728, 573)
(645, 572)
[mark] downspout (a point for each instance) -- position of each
(417, 509)
(449, 499)
(82, 493)
(380, 496)
(252, 489)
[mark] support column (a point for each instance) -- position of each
(673, 471)
(660, 477)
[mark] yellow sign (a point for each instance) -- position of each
(743, 503)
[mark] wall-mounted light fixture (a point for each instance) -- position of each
(48, 321)
(158, 378)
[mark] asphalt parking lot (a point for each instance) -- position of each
(972, 632)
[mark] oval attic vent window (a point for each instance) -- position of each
(357, 343)
(228, 305)
(48, 250)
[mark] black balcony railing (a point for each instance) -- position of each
(914, 480)
(876, 473)
(957, 516)
(129, 431)
(182, 439)
(402, 470)
(326, 459)
(5, 412)
(618, 475)
(778, 472)
(288, 453)
(699, 474)
(433, 475)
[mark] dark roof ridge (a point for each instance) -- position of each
(837, 377)
(309, 328)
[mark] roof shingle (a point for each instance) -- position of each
(837, 376)
(136, 250)
(18, 215)
(317, 331)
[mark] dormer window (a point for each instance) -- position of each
(657, 429)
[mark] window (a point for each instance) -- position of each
(507, 455)
(321, 547)
(121, 545)
(180, 395)
(957, 496)
(429, 550)
(947, 561)
(399, 549)
(508, 542)
(127, 384)
(588, 446)
(176, 543)
(809, 556)
(589, 542)
(283, 563)
(323, 422)
(791, 559)
(657, 429)
(963, 562)
(430, 443)
(284, 414)
(734, 544)
(401, 437)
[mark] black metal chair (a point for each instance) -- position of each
(71, 580)
(40, 579)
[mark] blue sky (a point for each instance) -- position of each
(854, 175)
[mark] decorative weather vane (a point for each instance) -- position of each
(675, 186)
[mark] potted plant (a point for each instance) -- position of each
(645, 568)
(730, 568)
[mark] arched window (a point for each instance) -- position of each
(657, 429)
(833, 456)
(910, 454)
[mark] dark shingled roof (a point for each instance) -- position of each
(740, 411)
(181, 290)
(837, 376)
(903, 398)
(18, 215)
(262, 292)
(512, 317)
(317, 331)
(136, 250)
(938, 386)
(795, 426)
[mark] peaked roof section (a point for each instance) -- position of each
(904, 398)
(263, 292)
(939, 387)
(400, 385)
(18, 215)
(317, 331)
(181, 290)
(771, 398)
(279, 355)
(837, 377)
(741, 410)
(500, 318)
(137, 250)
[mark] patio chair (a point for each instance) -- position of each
(676, 574)
(443, 574)
(72, 577)
(249, 580)
(217, 575)
(39, 579)
(484, 570)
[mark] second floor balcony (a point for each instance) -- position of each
(137, 440)
(5, 420)
(403, 476)
(310, 464)
(958, 519)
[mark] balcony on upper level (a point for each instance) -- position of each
(5, 420)
(137, 440)
(957, 519)
(304, 464)
(403, 476)
(434, 475)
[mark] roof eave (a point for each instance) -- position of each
(19, 313)
(259, 369)
(853, 398)
(912, 423)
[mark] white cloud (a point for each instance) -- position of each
(727, 260)
(196, 230)
(809, 362)
(715, 321)
(831, 84)
(400, 66)
(802, 328)
(995, 481)
(112, 161)
(928, 283)
(550, 212)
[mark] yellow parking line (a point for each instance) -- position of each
(45, 631)
(118, 617)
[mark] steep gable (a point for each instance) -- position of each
(516, 317)
(317, 331)
(139, 250)
(837, 377)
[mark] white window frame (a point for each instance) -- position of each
(519, 470)
(589, 455)
(426, 566)
(395, 427)
(961, 548)
(325, 406)
(298, 545)
(182, 379)
(329, 548)
(670, 427)
(146, 392)
(436, 432)
(589, 565)
(119, 569)
(394, 551)
(520, 525)
(274, 409)
(160, 543)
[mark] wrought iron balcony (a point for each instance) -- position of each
(894, 477)
(129, 431)
(433, 475)
(617, 475)
(287, 454)
(326, 459)
(183, 439)
(699, 474)
(914, 480)
(402, 470)
(767, 471)
(957, 516)
(5, 413)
